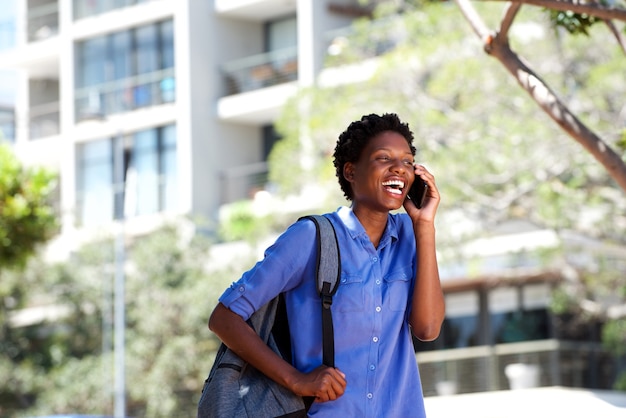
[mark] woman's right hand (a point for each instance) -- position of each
(324, 384)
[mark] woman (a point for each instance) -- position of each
(389, 287)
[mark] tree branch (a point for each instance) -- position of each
(498, 47)
(507, 20)
(618, 36)
(592, 9)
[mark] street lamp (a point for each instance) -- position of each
(122, 207)
(119, 320)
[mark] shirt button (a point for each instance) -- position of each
(372, 367)
(374, 259)
(375, 339)
(241, 289)
(370, 396)
(378, 281)
(378, 309)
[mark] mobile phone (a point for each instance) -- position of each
(417, 193)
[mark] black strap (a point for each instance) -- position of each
(328, 278)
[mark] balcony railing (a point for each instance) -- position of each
(126, 94)
(84, 8)
(44, 120)
(262, 70)
(43, 21)
(479, 369)
(243, 182)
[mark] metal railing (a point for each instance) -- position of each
(261, 70)
(84, 8)
(479, 369)
(243, 182)
(44, 120)
(126, 94)
(344, 46)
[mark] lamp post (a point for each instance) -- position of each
(119, 320)
(94, 112)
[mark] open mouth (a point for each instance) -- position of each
(394, 186)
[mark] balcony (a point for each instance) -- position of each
(126, 94)
(44, 120)
(259, 71)
(84, 9)
(256, 10)
(242, 182)
(43, 21)
(31, 43)
(257, 87)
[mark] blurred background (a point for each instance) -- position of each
(150, 150)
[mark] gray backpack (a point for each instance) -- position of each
(236, 389)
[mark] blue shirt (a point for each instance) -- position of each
(373, 343)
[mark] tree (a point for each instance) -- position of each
(588, 303)
(495, 154)
(66, 364)
(576, 18)
(27, 217)
(27, 220)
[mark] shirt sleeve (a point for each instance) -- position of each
(282, 268)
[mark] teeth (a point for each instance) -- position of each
(394, 186)
(398, 183)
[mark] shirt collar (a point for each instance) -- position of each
(355, 228)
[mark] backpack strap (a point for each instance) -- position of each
(328, 278)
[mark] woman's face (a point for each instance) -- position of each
(381, 178)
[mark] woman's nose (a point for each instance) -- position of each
(398, 166)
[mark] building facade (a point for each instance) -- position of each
(151, 108)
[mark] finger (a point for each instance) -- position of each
(332, 395)
(339, 376)
(338, 388)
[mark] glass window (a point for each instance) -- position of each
(95, 182)
(8, 18)
(518, 326)
(145, 163)
(92, 62)
(124, 56)
(120, 55)
(146, 49)
(7, 124)
(282, 34)
(167, 44)
(149, 176)
(508, 322)
(167, 85)
(169, 197)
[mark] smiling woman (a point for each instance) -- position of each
(390, 285)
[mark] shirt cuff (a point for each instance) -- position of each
(234, 299)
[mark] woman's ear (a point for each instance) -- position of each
(348, 172)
